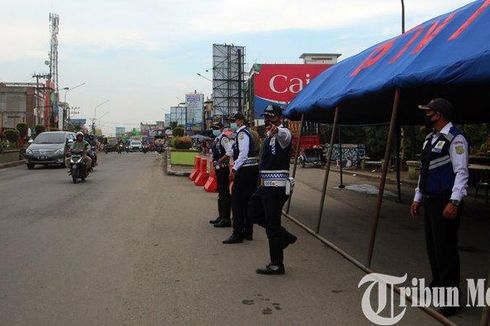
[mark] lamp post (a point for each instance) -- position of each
(95, 114)
(66, 113)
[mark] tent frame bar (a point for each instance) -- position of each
(327, 170)
(296, 154)
(382, 182)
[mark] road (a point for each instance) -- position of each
(132, 246)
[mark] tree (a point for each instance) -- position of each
(12, 136)
(173, 125)
(178, 131)
(39, 129)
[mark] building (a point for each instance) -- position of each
(178, 114)
(167, 119)
(320, 58)
(18, 105)
(120, 131)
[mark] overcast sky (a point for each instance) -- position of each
(143, 55)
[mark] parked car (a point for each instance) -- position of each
(135, 145)
(49, 147)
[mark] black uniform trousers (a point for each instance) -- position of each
(441, 235)
(224, 197)
(265, 209)
(244, 186)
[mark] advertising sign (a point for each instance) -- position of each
(195, 105)
(279, 83)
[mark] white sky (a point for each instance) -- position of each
(144, 55)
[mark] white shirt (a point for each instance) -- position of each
(460, 165)
(243, 145)
(227, 144)
(283, 136)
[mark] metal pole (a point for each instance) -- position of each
(341, 185)
(327, 171)
(296, 153)
(403, 17)
(239, 80)
(398, 161)
(382, 182)
(485, 315)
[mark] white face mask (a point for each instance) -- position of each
(234, 126)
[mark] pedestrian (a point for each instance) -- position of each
(265, 207)
(222, 152)
(441, 188)
(244, 174)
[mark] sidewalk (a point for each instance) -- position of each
(219, 282)
(11, 164)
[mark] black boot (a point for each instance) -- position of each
(215, 221)
(234, 238)
(287, 238)
(248, 235)
(271, 269)
(223, 223)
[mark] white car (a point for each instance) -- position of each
(135, 145)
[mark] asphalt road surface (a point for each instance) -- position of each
(132, 246)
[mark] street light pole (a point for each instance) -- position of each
(67, 111)
(95, 115)
(403, 16)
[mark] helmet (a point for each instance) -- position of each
(79, 134)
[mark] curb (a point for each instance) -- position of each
(370, 176)
(11, 164)
(168, 167)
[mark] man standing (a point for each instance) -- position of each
(245, 174)
(274, 189)
(441, 188)
(222, 152)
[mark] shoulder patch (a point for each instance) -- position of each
(241, 135)
(459, 149)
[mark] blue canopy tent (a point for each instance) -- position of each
(448, 56)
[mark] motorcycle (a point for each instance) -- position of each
(119, 148)
(93, 155)
(145, 149)
(78, 168)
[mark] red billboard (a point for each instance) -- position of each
(279, 83)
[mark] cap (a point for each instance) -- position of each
(237, 116)
(217, 125)
(79, 134)
(273, 110)
(439, 105)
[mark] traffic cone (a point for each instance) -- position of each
(212, 183)
(195, 171)
(203, 173)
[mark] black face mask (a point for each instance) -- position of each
(428, 120)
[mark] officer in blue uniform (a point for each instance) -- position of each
(265, 206)
(222, 152)
(441, 188)
(245, 174)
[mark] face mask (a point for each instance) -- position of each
(216, 133)
(233, 126)
(428, 120)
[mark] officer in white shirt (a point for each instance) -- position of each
(441, 188)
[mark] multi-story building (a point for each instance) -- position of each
(178, 114)
(18, 104)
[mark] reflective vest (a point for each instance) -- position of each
(437, 175)
(218, 149)
(236, 147)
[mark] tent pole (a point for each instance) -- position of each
(341, 185)
(296, 153)
(398, 160)
(485, 315)
(327, 170)
(382, 182)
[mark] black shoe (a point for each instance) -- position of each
(216, 220)
(248, 237)
(289, 239)
(271, 269)
(234, 238)
(223, 223)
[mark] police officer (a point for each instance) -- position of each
(265, 207)
(441, 188)
(222, 152)
(245, 174)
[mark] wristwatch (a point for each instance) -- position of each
(454, 202)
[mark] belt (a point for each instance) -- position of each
(274, 178)
(218, 165)
(251, 161)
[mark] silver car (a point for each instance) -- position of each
(49, 147)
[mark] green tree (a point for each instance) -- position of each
(178, 131)
(12, 136)
(39, 129)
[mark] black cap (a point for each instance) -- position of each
(217, 125)
(273, 109)
(439, 105)
(237, 116)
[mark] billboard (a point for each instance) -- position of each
(279, 83)
(195, 105)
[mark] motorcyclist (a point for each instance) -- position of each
(92, 141)
(81, 145)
